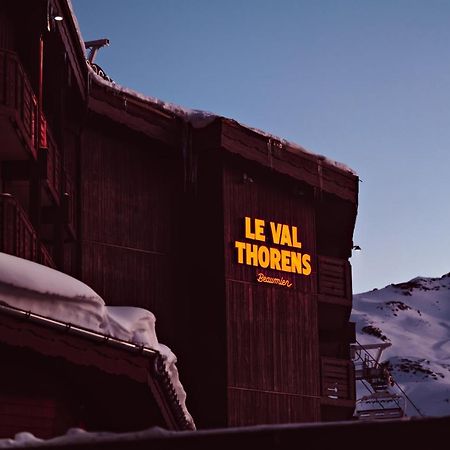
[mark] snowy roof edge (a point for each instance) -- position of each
(200, 119)
(163, 378)
(197, 118)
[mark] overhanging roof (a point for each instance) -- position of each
(83, 347)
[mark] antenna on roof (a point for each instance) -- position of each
(94, 47)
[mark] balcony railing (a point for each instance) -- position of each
(338, 379)
(17, 235)
(18, 101)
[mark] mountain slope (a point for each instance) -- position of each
(415, 318)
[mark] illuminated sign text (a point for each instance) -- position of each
(287, 259)
(261, 278)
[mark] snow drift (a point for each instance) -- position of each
(41, 290)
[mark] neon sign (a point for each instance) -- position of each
(287, 259)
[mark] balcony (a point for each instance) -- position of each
(17, 236)
(22, 144)
(18, 110)
(334, 281)
(338, 382)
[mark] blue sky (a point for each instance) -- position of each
(365, 82)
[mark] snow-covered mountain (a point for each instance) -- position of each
(415, 318)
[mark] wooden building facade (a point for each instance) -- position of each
(150, 210)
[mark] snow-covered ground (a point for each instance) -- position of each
(47, 292)
(415, 318)
(79, 436)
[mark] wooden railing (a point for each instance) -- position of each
(17, 96)
(334, 280)
(338, 379)
(17, 235)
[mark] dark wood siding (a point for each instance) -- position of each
(337, 379)
(129, 192)
(35, 415)
(128, 215)
(272, 331)
(201, 291)
(270, 407)
(134, 201)
(7, 37)
(130, 277)
(289, 161)
(334, 277)
(271, 339)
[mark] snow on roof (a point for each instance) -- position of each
(35, 277)
(45, 291)
(41, 290)
(133, 324)
(197, 118)
(200, 119)
(298, 147)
